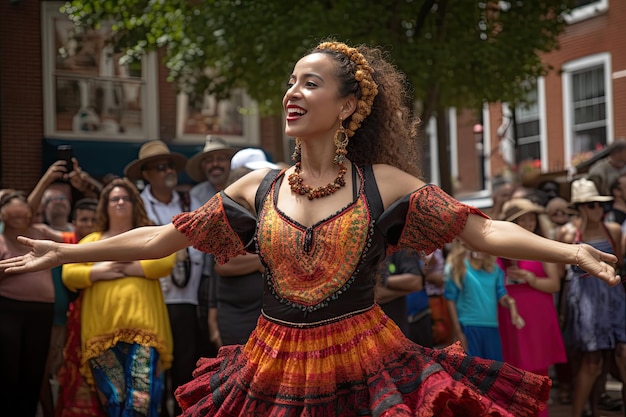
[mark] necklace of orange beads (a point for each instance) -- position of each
(298, 186)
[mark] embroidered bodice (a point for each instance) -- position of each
(329, 269)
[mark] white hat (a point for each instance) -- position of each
(585, 191)
(251, 158)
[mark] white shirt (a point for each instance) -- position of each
(162, 213)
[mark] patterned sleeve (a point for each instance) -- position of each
(425, 220)
(220, 227)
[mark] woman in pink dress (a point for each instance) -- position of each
(539, 344)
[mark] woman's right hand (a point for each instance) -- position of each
(43, 255)
(103, 271)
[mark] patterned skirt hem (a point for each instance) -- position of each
(360, 366)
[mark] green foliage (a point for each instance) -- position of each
(454, 52)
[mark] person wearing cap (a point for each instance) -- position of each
(158, 167)
(538, 345)
(251, 158)
(595, 325)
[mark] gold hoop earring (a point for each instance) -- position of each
(296, 156)
(341, 142)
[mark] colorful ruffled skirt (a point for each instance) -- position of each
(358, 366)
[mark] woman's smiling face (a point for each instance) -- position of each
(311, 103)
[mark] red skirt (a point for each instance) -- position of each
(362, 365)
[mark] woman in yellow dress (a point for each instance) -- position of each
(125, 331)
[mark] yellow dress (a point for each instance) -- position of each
(129, 309)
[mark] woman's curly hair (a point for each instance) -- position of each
(388, 134)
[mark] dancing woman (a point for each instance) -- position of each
(322, 346)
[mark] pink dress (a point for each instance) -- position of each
(539, 344)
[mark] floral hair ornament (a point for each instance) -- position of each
(363, 75)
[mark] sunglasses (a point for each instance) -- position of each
(559, 213)
(160, 167)
(592, 204)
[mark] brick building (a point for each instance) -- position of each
(578, 108)
(59, 86)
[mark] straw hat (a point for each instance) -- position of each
(149, 151)
(559, 204)
(251, 158)
(212, 144)
(517, 207)
(585, 191)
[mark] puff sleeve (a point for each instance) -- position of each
(220, 227)
(424, 220)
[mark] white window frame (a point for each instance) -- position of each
(568, 109)
(541, 114)
(149, 90)
(587, 11)
(250, 123)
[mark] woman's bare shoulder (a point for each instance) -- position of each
(243, 191)
(393, 183)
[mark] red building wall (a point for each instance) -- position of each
(21, 94)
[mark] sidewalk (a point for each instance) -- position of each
(558, 410)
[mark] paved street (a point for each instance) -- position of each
(557, 410)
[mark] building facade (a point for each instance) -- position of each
(577, 109)
(59, 85)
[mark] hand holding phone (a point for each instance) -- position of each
(65, 153)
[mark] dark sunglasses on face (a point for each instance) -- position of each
(592, 204)
(161, 167)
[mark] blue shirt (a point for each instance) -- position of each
(477, 302)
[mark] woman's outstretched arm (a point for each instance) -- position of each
(508, 240)
(149, 242)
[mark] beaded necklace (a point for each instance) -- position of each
(298, 186)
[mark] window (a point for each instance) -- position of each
(236, 118)
(527, 129)
(522, 134)
(586, 9)
(587, 101)
(89, 92)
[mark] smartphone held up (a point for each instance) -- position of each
(65, 153)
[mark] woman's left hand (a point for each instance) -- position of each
(597, 263)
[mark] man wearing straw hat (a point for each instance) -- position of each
(158, 167)
(210, 168)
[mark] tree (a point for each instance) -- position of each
(459, 53)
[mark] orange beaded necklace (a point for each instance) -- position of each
(298, 186)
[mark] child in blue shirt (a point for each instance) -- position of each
(474, 287)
